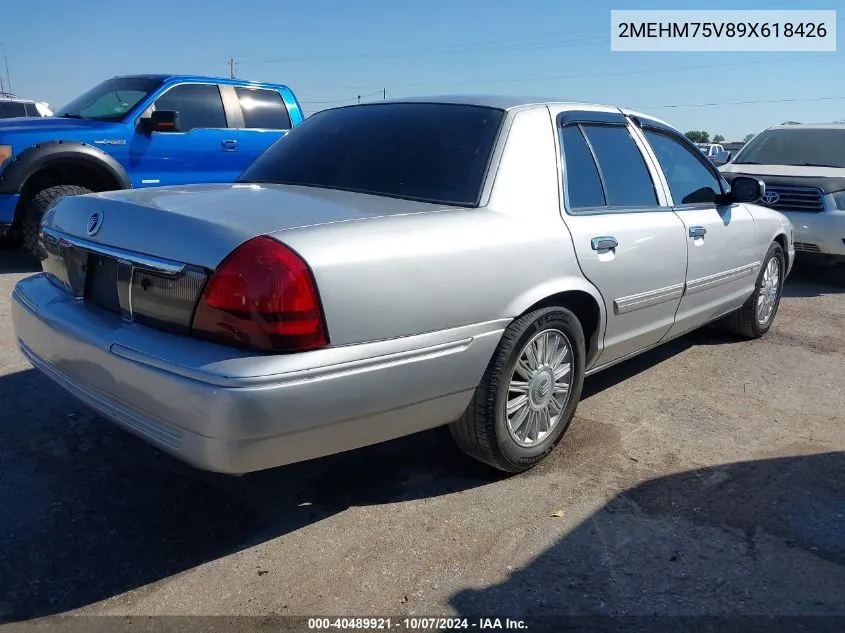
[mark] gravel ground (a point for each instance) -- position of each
(705, 477)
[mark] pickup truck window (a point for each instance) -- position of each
(432, 152)
(627, 182)
(31, 109)
(11, 109)
(263, 109)
(110, 100)
(690, 181)
(583, 184)
(199, 106)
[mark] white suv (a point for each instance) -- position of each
(12, 106)
(803, 167)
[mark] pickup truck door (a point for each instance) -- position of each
(264, 120)
(202, 150)
(628, 242)
(722, 262)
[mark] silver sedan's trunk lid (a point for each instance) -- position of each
(201, 224)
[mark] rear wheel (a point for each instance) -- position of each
(756, 316)
(528, 394)
(38, 206)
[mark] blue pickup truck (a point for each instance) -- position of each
(136, 131)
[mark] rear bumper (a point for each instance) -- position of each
(217, 414)
(8, 204)
(819, 233)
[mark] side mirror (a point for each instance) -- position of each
(746, 189)
(720, 158)
(161, 121)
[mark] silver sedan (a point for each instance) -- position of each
(393, 267)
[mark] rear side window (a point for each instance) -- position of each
(432, 152)
(263, 109)
(583, 185)
(627, 182)
(604, 168)
(11, 109)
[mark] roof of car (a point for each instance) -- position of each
(809, 126)
(508, 102)
(196, 78)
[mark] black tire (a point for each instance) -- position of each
(743, 322)
(482, 431)
(38, 206)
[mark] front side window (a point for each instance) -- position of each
(198, 105)
(690, 181)
(110, 100)
(31, 109)
(432, 152)
(812, 147)
(263, 109)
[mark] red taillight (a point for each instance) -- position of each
(262, 296)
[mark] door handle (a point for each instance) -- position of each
(230, 146)
(604, 243)
(697, 232)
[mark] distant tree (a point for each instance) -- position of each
(791, 123)
(718, 138)
(698, 136)
(747, 138)
(839, 122)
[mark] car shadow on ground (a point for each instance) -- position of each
(759, 538)
(90, 512)
(18, 261)
(809, 279)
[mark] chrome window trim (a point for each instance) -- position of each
(150, 263)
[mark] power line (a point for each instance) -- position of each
(605, 74)
(724, 103)
(539, 42)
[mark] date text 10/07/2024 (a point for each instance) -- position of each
(416, 624)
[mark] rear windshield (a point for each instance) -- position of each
(811, 147)
(419, 151)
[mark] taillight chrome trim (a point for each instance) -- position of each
(150, 263)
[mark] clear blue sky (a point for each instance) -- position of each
(330, 51)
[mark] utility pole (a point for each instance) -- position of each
(383, 94)
(6, 59)
(232, 65)
(359, 98)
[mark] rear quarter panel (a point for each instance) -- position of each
(403, 275)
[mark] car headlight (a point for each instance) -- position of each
(5, 153)
(839, 199)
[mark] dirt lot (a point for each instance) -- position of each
(706, 477)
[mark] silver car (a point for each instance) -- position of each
(393, 267)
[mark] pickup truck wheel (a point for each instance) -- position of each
(528, 394)
(756, 316)
(38, 206)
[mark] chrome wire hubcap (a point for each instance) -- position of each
(769, 289)
(538, 390)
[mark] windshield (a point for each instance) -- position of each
(796, 146)
(110, 100)
(419, 151)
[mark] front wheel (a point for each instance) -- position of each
(528, 394)
(756, 316)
